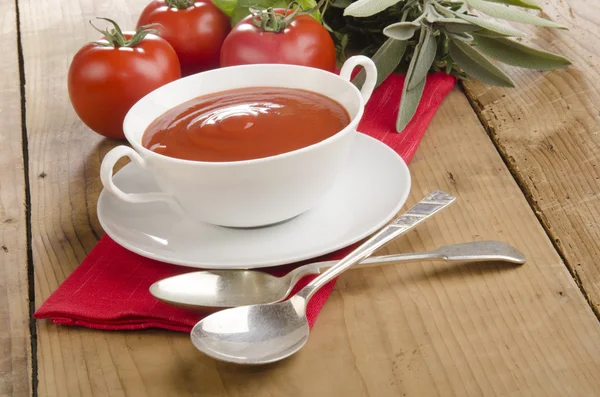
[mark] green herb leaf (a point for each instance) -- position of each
(386, 59)
(510, 14)
(408, 104)
(448, 9)
(343, 44)
(517, 54)
(411, 97)
(307, 5)
(519, 3)
(226, 6)
(431, 16)
(366, 8)
(448, 67)
(461, 36)
(423, 58)
(456, 25)
(401, 30)
(477, 65)
(488, 33)
(492, 25)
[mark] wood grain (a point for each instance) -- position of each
(15, 354)
(412, 330)
(547, 129)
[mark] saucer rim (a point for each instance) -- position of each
(266, 263)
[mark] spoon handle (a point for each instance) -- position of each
(476, 251)
(430, 205)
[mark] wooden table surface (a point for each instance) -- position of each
(523, 163)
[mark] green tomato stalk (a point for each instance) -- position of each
(270, 21)
(180, 4)
(116, 38)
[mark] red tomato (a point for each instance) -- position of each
(196, 31)
(105, 81)
(303, 42)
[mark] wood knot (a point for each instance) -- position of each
(451, 177)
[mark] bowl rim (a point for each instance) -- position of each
(147, 152)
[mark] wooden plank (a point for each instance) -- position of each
(547, 130)
(15, 356)
(418, 330)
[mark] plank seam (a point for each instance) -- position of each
(506, 158)
(29, 237)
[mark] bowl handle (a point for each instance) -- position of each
(370, 69)
(106, 175)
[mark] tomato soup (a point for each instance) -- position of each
(244, 124)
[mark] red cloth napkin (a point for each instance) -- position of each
(109, 290)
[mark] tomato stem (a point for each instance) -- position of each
(115, 37)
(270, 21)
(180, 4)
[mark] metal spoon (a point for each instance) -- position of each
(213, 289)
(265, 333)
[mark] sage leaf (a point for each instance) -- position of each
(456, 25)
(409, 103)
(423, 58)
(431, 16)
(477, 65)
(411, 97)
(226, 6)
(519, 3)
(366, 8)
(492, 25)
(516, 54)
(386, 59)
(401, 30)
(502, 12)
(488, 33)
(448, 10)
(461, 36)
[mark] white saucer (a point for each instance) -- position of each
(368, 193)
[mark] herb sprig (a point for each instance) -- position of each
(417, 37)
(459, 37)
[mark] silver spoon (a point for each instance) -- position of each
(265, 333)
(209, 290)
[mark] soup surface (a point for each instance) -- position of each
(244, 124)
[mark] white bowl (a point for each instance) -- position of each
(245, 193)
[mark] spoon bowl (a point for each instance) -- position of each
(257, 334)
(210, 290)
